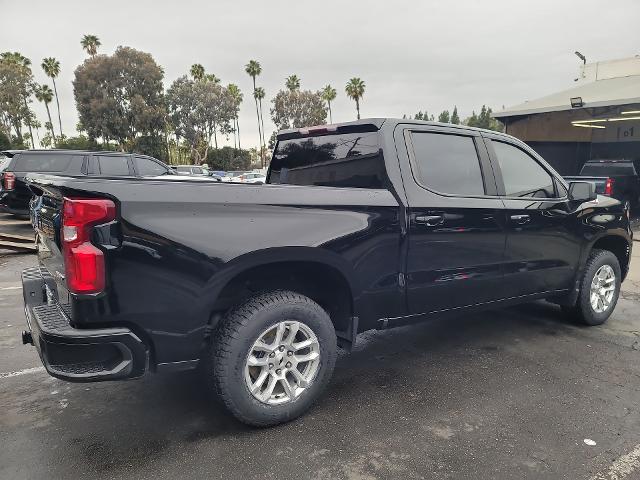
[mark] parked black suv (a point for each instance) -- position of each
(15, 196)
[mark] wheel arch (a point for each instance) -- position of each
(321, 275)
(616, 244)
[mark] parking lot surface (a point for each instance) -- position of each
(510, 393)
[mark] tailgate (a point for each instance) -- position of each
(46, 217)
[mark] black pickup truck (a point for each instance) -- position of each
(615, 178)
(371, 224)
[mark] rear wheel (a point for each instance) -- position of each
(272, 357)
(599, 289)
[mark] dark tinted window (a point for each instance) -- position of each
(149, 168)
(521, 174)
(606, 169)
(342, 160)
(113, 165)
(447, 163)
(50, 162)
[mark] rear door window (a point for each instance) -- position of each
(447, 163)
(341, 160)
(114, 165)
(148, 168)
(50, 162)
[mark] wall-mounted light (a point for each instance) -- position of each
(622, 119)
(576, 102)
(586, 125)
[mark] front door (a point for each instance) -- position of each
(543, 242)
(456, 235)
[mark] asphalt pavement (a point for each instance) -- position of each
(516, 393)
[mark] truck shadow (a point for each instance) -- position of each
(112, 425)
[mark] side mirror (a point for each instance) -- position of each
(582, 191)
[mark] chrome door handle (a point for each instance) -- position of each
(521, 219)
(430, 220)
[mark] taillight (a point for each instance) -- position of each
(9, 180)
(608, 187)
(84, 262)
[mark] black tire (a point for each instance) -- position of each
(227, 354)
(582, 311)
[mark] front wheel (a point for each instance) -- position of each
(599, 289)
(272, 357)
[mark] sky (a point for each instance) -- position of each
(412, 54)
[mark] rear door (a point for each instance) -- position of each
(113, 165)
(543, 243)
(456, 238)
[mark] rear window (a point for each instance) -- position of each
(342, 160)
(42, 163)
(605, 169)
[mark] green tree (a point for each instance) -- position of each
(444, 116)
(422, 116)
(197, 71)
(198, 111)
(90, 44)
(472, 121)
(329, 95)
(45, 94)
(293, 83)
(355, 90)
(120, 97)
(254, 69)
(455, 119)
(237, 96)
(210, 77)
(5, 141)
(294, 109)
(227, 158)
(51, 68)
(16, 83)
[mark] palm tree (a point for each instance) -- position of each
(355, 90)
(259, 94)
(16, 58)
(254, 69)
(51, 67)
(329, 95)
(45, 94)
(197, 71)
(210, 77)
(293, 83)
(237, 96)
(90, 43)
